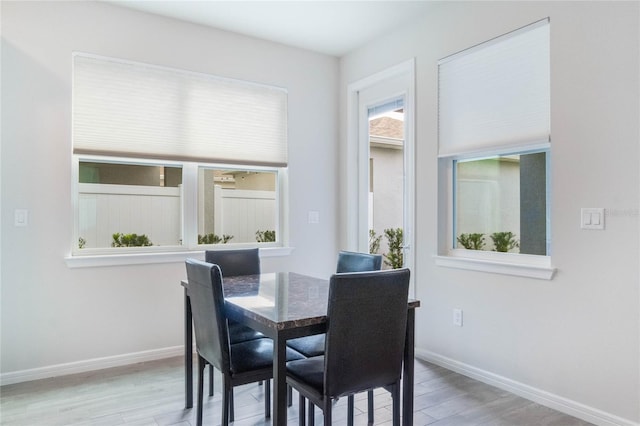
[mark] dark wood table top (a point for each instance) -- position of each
(281, 300)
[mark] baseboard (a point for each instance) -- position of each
(88, 365)
(564, 405)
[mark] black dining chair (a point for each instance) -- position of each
(236, 261)
(240, 363)
(310, 346)
(348, 261)
(366, 324)
(232, 263)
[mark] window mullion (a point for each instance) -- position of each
(189, 208)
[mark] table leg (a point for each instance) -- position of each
(407, 373)
(279, 414)
(188, 353)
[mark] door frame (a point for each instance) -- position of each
(356, 201)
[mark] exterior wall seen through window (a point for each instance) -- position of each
(501, 204)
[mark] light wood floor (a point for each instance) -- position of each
(152, 393)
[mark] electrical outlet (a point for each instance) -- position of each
(457, 317)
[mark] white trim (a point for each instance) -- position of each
(548, 399)
(352, 203)
(515, 264)
(355, 217)
(150, 258)
(492, 151)
(521, 265)
(88, 365)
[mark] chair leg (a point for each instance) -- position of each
(370, 406)
(267, 399)
(396, 404)
(327, 411)
(301, 405)
(201, 366)
(227, 399)
(210, 380)
(232, 414)
(311, 415)
(350, 403)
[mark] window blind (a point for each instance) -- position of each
(138, 110)
(497, 94)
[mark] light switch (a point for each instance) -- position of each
(592, 218)
(21, 217)
(314, 217)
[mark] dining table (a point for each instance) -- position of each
(286, 305)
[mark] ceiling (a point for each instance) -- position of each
(329, 27)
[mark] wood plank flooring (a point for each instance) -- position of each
(152, 393)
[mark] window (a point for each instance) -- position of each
(500, 203)
(172, 160)
(494, 155)
(128, 205)
(237, 206)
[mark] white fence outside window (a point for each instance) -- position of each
(155, 211)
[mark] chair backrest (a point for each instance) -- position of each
(235, 262)
(207, 305)
(349, 261)
(367, 318)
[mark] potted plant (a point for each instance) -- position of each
(504, 241)
(472, 241)
(395, 258)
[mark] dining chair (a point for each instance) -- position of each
(366, 324)
(240, 363)
(232, 263)
(348, 261)
(236, 261)
(310, 346)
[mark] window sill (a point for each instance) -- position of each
(520, 265)
(92, 261)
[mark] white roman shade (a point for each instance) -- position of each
(133, 109)
(496, 95)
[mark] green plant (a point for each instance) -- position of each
(504, 241)
(214, 239)
(265, 236)
(472, 241)
(81, 242)
(130, 240)
(394, 258)
(374, 241)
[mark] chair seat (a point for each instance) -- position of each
(309, 371)
(241, 333)
(255, 355)
(309, 346)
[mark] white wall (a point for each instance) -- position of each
(388, 195)
(53, 315)
(575, 339)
